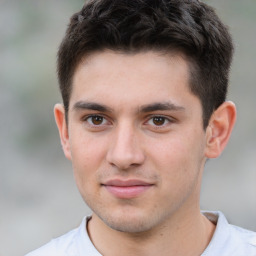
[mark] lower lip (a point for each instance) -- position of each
(127, 192)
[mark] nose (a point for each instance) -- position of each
(125, 150)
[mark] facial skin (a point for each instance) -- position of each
(136, 140)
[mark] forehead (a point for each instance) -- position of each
(122, 79)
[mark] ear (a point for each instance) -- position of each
(219, 129)
(59, 113)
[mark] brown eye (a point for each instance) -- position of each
(96, 120)
(158, 120)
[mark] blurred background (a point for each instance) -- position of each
(38, 196)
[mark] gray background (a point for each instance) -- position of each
(38, 197)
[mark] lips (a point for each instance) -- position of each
(127, 189)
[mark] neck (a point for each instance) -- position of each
(181, 235)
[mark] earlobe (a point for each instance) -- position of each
(59, 113)
(219, 129)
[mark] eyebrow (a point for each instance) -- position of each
(84, 105)
(161, 106)
(91, 106)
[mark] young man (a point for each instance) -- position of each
(144, 86)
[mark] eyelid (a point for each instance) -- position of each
(161, 115)
(107, 121)
(167, 118)
(86, 117)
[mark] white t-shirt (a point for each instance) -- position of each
(228, 240)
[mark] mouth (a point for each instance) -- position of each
(127, 189)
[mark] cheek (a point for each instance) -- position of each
(179, 158)
(87, 157)
(179, 164)
(85, 149)
(85, 164)
(171, 151)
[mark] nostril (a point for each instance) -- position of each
(124, 162)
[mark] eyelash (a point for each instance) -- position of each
(87, 118)
(149, 121)
(162, 127)
(159, 118)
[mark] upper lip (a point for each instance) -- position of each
(126, 183)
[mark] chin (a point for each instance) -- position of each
(128, 226)
(129, 222)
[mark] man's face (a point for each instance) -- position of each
(136, 139)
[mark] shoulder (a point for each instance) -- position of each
(57, 246)
(244, 237)
(62, 246)
(229, 239)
